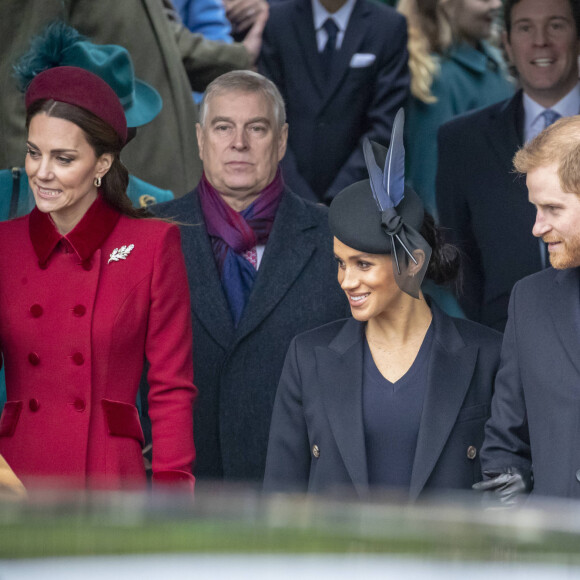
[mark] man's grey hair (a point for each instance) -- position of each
(245, 81)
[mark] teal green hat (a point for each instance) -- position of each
(141, 102)
(61, 45)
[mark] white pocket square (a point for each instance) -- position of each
(362, 59)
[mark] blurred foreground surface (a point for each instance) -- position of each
(234, 532)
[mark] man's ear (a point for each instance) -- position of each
(507, 46)
(200, 139)
(282, 142)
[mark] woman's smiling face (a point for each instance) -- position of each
(61, 166)
(367, 280)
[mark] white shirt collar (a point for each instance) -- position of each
(340, 17)
(534, 122)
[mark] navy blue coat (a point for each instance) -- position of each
(535, 420)
(319, 402)
(486, 208)
(329, 117)
(237, 369)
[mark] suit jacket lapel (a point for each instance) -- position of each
(509, 123)
(451, 368)
(339, 368)
(306, 34)
(208, 300)
(353, 37)
(282, 263)
(564, 304)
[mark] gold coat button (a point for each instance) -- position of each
(471, 452)
(315, 451)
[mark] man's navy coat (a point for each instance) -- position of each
(329, 112)
(535, 422)
(319, 403)
(486, 208)
(237, 369)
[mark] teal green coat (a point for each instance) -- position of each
(468, 79)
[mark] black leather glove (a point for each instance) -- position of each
(506, 486)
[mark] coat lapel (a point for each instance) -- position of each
(306, 34)
(208, 300)
(282, 263)
(353, 37)
(339, 369)
(509, 123)
(451, 368)
(565, 306)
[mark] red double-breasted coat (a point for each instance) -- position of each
(78, 316)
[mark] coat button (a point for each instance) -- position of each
(78, 358)
(87, 265)
(578, 475)
(315, 451)
(36, 310)
(33, 359)
(79, 405)
(79, 310)
(33, 405)
(471, 452)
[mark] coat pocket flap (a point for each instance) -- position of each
(9, 418)
(122, 419)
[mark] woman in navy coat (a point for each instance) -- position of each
(397, 396)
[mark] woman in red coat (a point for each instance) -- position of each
(87, 292)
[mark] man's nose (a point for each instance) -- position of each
(541, 226)
(240, 141)
(541, 36)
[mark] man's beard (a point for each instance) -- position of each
(569, 254)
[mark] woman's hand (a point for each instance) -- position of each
(10, 486)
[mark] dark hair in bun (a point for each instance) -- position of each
(445, 264)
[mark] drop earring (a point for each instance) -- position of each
(97, 181)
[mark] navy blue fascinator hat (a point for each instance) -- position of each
(381, 216)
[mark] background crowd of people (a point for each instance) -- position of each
(166, 173)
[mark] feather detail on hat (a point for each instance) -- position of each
(388, 185)
(46, 51)
(394, 174)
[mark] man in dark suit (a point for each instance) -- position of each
(261, 270)
(479, 198)
(341, 66)
(534, 427)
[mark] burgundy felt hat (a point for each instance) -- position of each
(77, 86)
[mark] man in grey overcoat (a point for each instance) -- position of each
(261, 270)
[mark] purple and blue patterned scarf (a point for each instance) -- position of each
(232, 233)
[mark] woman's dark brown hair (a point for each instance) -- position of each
(103, 139)
(445, 264)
